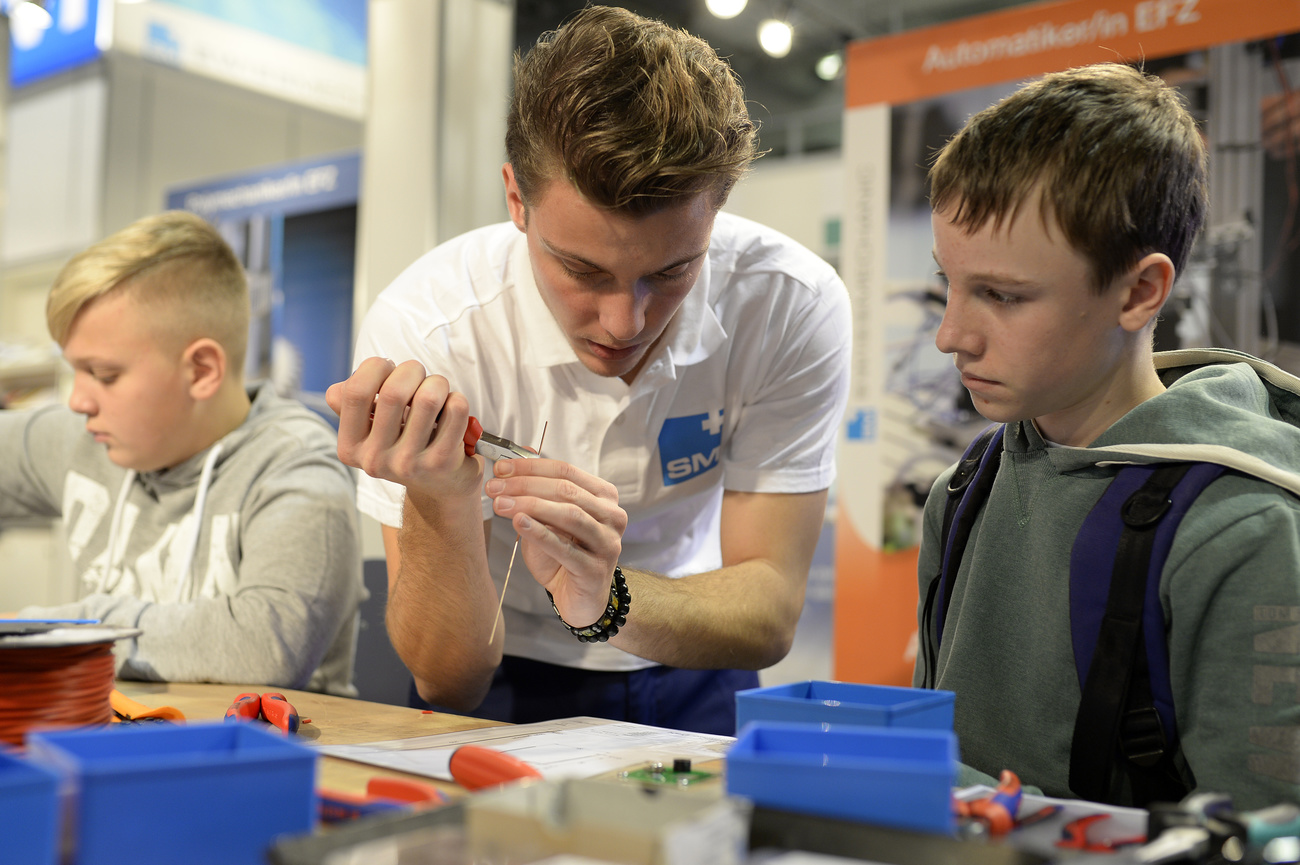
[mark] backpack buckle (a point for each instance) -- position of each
(1142, 737)
(1144, 508)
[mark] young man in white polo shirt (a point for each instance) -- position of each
(690, 368)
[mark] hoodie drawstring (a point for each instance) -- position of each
(112, 566)
(184, 578)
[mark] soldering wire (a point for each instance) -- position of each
(54, 686)
(510, 567)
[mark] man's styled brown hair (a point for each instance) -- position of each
(1117, 158)
(177, 265)
(636, 115)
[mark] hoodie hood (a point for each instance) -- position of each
(265, 408)
(1220, 406)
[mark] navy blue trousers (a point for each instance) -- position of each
(525, 691)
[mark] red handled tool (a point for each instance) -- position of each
(1074, 836)
(382, 795)
(998, 811)
(492, 447)
(280, 712)
(406, 790)
(247, 707)
(477, 768)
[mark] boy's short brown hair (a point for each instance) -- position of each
(636, 115)
(174, 263)
(1116, 155)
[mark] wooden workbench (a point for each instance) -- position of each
(334, 721)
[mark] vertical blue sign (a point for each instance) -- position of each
(71, 40)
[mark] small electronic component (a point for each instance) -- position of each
(680, 774)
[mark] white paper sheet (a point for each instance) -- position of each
(567, 748)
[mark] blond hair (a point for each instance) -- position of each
(1113, 154)
(176, 264)
(636, 115)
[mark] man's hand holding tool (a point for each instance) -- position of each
(399, 424)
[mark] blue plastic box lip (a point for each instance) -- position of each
(801, 692)
(860, 775)
(190, 747)
(18, 774)
(942, 762)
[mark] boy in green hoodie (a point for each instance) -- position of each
(1062, 217)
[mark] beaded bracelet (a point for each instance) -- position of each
(611, 620)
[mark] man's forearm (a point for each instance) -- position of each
(742, 616)
(441, 602)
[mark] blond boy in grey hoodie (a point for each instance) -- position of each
(215, 518)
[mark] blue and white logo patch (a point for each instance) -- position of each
(690, 446)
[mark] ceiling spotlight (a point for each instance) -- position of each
(830, 66)
(725, 8)
(776, 37)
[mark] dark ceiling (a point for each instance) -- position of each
(787, 91)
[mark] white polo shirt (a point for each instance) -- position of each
(745, 392)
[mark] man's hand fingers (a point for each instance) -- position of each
(578, 577)
(557, 470)
(391, 404)
(355, 397)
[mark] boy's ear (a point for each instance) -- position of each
(1146, 289)
(205, 363)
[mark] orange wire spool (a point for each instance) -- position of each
(54, 686)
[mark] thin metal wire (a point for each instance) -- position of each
(510, 567)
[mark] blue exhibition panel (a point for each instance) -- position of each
(201, 793)
(879, 775)
(846, 703)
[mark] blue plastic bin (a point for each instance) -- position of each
(881, 775)
(29, 811)
(846, 703)
(198, 793)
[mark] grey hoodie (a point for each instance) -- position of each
(242, 564)
(1230, 587)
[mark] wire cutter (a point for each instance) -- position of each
(492, 447)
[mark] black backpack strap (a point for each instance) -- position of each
(968, 487)
(1126, 713)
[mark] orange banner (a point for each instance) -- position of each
(1043, 37)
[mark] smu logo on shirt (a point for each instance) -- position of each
(690, 446)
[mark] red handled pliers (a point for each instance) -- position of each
(271, 706)
(998, 811)
(492, 447)
(1074, 836)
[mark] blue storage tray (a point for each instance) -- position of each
(29, 811)
(886, 776)
(198, 793)
(846, 703)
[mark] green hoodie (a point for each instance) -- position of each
(1230, 587)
